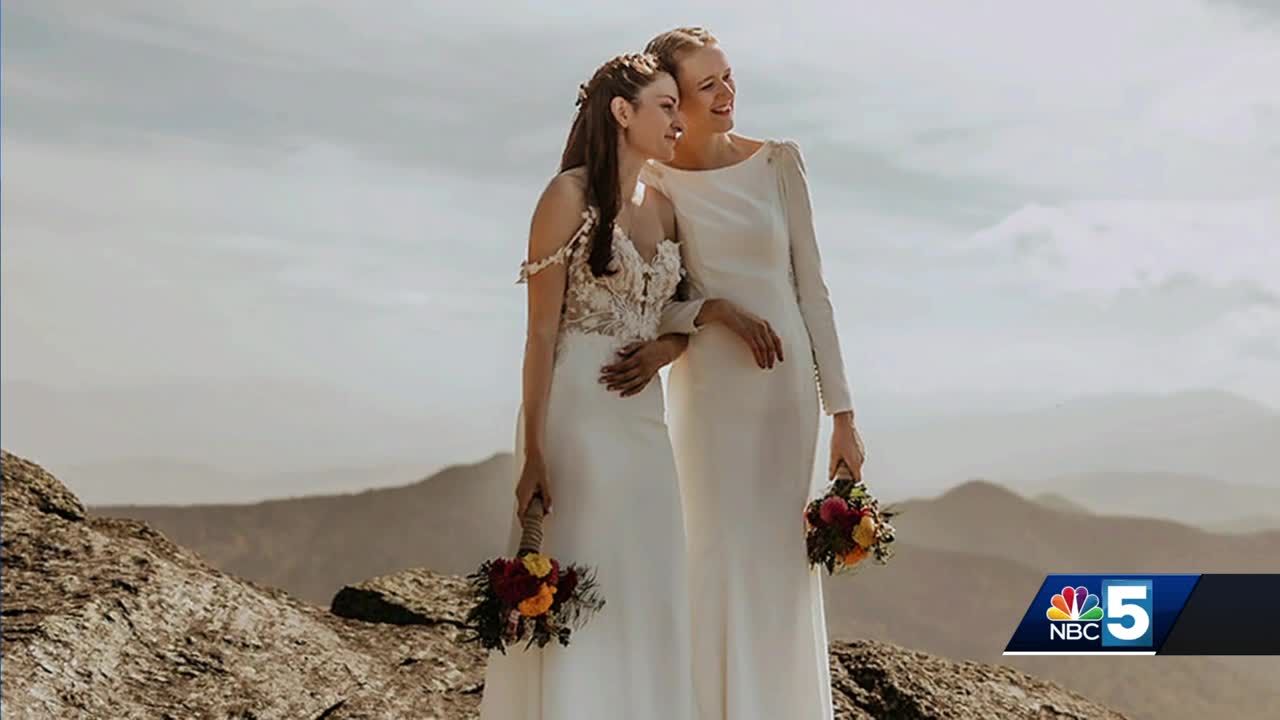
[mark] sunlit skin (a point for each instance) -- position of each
(648, 130)
(708, 94)
(651, 127)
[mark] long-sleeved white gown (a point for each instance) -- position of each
(745, 439)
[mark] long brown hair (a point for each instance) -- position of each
(593, 143)
(672, 44)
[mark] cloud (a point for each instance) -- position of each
(1109, 247)
(405, 87)
(1056, 198)
(1115, 99)
(1265, 9)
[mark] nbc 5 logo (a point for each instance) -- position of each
(1122, 618)
(1128, 610)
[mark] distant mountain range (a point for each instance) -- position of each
(1209, 434)
(1192, 499)
(205, 443)
(448, 523)
(970, 559)
(200, 442)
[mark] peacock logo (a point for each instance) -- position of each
(1074, 604)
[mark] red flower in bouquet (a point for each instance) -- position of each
(835, 512)
(512, 582)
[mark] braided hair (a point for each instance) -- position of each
(593, 143)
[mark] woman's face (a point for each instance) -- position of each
(707, 90)
(654, 122)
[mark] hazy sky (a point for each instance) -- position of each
(1038, 198)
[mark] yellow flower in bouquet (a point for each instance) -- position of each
(537, 564)
(538, 604)
(865, 533)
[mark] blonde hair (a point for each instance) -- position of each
(671, 45)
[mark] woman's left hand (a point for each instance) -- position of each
(846, 446)
(639, 362)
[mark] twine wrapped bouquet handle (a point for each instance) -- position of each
(531, 527)
(843, 472)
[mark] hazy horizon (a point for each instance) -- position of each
(1018, 203)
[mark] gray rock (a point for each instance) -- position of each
(878, 680)
(411, 597)
(106, 618)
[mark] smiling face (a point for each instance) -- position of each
(652, 122)
(707, 90)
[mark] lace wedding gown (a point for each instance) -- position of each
(746, 439)
(617, 508)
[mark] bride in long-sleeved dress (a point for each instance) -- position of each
(744, 418)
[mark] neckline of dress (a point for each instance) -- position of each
(764, 145)
(592, 214)
(657, 249)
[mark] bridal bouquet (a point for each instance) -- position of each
(530, 597)
(846, 525)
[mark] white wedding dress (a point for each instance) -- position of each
(746, 439)
(616, 507)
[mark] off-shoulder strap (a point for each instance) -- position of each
(529, 269)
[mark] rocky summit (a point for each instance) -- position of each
(106, 618)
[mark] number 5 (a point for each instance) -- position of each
(1117, 607)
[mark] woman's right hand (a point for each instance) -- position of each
(755, 331)
(533, 481)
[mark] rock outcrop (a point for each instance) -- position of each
(106, 618)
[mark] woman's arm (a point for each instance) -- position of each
(811, 288)
(819, 317)
(556, 226)
(685, 314)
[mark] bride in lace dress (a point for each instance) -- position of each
(603, 267)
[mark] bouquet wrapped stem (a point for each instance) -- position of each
(530, 597)
(531, 528)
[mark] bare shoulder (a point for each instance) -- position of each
(561, 210)
(567, 188)
(656, 201)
